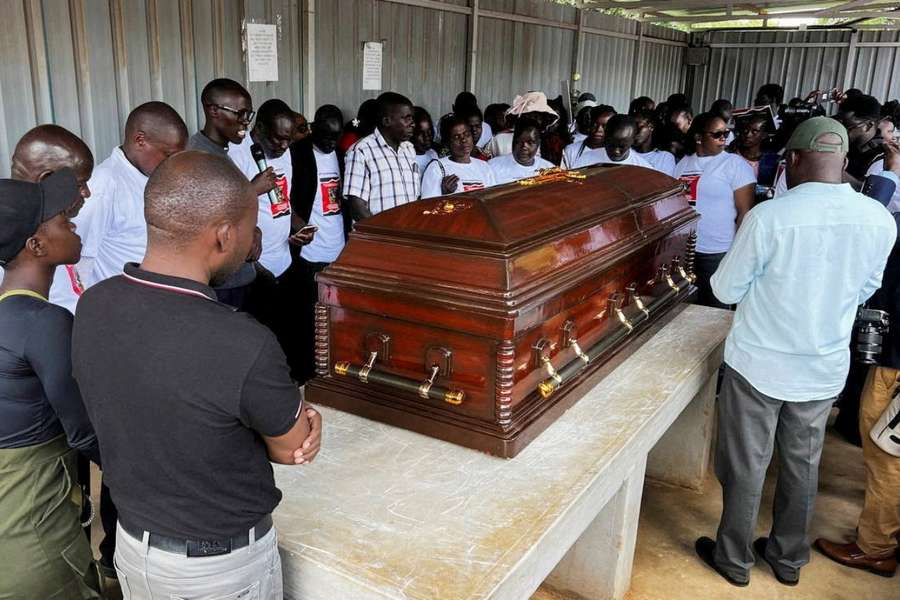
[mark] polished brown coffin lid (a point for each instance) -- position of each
(508, 218)
(504, 245)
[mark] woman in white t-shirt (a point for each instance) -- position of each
(458, 172)
(523, 162)
(721, 186)
(661, 160)
(423, 138)
(590, 151)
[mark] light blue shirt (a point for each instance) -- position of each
(799, 267)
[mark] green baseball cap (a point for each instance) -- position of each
(806, 136)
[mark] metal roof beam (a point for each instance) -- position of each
(781, 15)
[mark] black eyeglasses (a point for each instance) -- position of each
(717, 135)
(242, 115)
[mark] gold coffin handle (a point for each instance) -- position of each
(556, 378)
(367, 373)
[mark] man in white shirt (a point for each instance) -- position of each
(317, 203)
(798, 268)
(112, 226)
(273, 132)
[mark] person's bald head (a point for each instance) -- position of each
(46, 149)
(200, 206)
(153, 132)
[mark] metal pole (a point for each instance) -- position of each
(636, 60)
(472, 42)
(308, 25)
(578, 47)
(850, 71)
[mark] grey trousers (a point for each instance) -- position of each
(249, 573)
(751, 424)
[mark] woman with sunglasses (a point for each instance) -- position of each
(721, 187)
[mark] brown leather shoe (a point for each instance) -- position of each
(851, 555)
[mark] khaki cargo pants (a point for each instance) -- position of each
(43, 551)
(879, 523)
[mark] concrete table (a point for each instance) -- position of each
(384, 513)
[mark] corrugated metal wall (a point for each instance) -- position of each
(514, 58)
(424, 52)
(877, 70)
(788, 59)
(86, 63)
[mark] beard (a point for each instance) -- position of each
(227, 270)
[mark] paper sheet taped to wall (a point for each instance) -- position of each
(372, 60)
(262, 52)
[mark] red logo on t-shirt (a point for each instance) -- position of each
(282, 206)
(691, 182)
(331, 201)
(469, 186)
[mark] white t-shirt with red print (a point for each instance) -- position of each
(473, 175)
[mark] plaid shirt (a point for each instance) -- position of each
(382, 177)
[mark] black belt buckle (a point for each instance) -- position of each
(208, 547)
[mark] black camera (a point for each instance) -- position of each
(800, 111)
(869, 329)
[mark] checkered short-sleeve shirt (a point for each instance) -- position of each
(381, 176)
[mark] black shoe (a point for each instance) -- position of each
(760, 547)
(706, 549)
(107, 569)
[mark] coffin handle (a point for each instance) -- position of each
(558, 377)
(367, 373)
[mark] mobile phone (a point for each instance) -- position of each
(308, 229)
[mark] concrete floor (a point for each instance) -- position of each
(666, 568)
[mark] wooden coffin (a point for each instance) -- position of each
(477, 318)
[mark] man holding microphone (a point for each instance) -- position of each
(266, 147)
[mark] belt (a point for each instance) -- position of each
(198, 547)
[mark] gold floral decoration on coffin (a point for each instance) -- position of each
(551, 175)
(448, 207)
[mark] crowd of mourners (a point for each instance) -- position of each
(157, 312)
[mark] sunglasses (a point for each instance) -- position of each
(717, 135)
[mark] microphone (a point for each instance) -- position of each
(259, 157)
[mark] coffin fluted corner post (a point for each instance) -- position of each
(478, 318)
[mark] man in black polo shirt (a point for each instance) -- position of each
(190, 399)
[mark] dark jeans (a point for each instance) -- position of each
(277, 303)
(704, 267)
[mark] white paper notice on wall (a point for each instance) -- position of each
(372, 60)
(262, 52)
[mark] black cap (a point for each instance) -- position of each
(25, 205)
